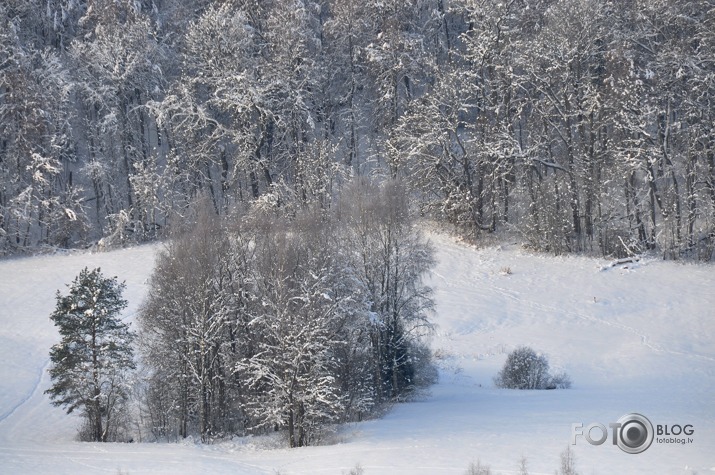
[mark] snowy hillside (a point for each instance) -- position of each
(634, 338)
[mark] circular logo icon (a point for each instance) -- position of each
(635, 433)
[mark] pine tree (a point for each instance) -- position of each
(91, 363)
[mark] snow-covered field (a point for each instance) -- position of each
(636, 339)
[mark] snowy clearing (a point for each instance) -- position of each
(636, 337)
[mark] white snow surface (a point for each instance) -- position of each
(633, 338)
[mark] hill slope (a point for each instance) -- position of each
(634, 338)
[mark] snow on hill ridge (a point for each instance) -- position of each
(636, 339)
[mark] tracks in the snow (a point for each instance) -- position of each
(30, 394)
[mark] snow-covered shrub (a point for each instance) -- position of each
(425, 372)
(560, 380)
(568, 462)
(526, 369)
(357, 470)
(478, 469)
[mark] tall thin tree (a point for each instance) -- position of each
(91, 363)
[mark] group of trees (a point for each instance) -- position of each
(260, 320)
(581, 125)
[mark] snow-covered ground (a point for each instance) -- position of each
(635, 339)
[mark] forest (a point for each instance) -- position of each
(574, 125)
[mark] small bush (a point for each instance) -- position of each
(560, 381)
(357, 470)
(478, 469)
(526, 369)
(568, 462)
(523, 470)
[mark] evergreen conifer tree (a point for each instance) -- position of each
(91, 363)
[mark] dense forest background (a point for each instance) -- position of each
(579, 125)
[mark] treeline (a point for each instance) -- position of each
(580, 125)
(261, 321)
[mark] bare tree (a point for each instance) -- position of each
(391, 258)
